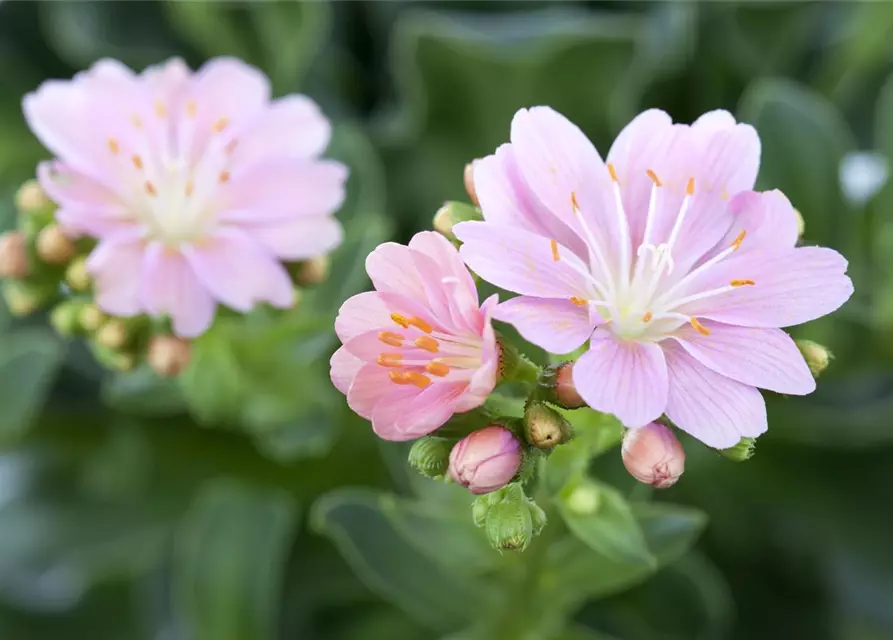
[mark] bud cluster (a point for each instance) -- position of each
(509, 518)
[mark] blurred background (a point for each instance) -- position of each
(245, 502)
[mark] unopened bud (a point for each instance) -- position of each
(21, 299)
(53, 246)
(65, 317)
(653, 455)
(168, 355)
(556, 384)
(123, 362)
(509, 526)
(544, 427)
(313, 272)
(113, 334)
(451, 214)
(14, 255)
(741, 451)
(584, 499)
(77, 276)
(430, 456)
(801, 223)
(817, 357)
(486, 460)
(91, 318)
(30, 198)
(468, 177)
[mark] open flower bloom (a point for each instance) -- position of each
(679, 285)
(419, 348)
(195, 184)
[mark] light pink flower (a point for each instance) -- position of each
(195, 184)
(653, 454)
(679, 285)
(485, 460)
(419, 348)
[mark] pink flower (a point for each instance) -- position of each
(678, 284)
(419, 348)
(195, 184)
(485, 460)
(653, 455)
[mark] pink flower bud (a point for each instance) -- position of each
(565, 391)
(653, 455)
(468, 177)
(486, 460)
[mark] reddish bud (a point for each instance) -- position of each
(486, 460)
(565, 392)
(468, 176)
(54, 247)
(653, 455)
(13, 255)
(169, 356)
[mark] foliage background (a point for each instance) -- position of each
(123, 515)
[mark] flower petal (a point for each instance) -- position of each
(298, 238)
(370, 385)
(361, 313)
(412, 415)
(767, 220)
(711, 407)
(115, 265)
(343, 368)
(238, 272)
(558, 326)
(765, 358)
(293, 127)
(169, 286)
(522, 261)
(627, 379)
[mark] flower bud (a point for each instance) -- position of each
(168, 355)
(430, 456)
(77, 276)
(452, 213)
(653, 455)
(468, 177)
(113, 334)
(21, 299)
(486, 460)
(817, 357)
(91, 318)
(65, 317)
(509, 526)
(53, 246)
(14, 255)
(801, 223)
(584, 499)
(544, 427)
(30, 198)
(556, 384)
(741, 451)
(313, 272)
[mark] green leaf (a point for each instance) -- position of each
(143, 392)
(230, 558)
(357, 523)
(214, 384)
(803, 138)
(594, 433)
(29, 360)
(214, 28)
(600, 517)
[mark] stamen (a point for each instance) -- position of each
(612, 172)
(398, 377)
(403, 321)
(647, 317)
(593, 247)
(420, 324)
(623, 228)
(690, 188)
(438, 369)
(704, 331)
(428, 344)
(221, 124)
(137, 121)
(654, 178)
(580, 302)
(150, 189)
(191, 109)
(742, 283)
(390, 359)
(574, 204)
(114, 147)
(160, 109)
(189, 188)
(555, 255)
(393, 339)
(137, 161)
(224, 177)
(230, 146)
(415, 378)
(739, 239)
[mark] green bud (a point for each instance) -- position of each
(817, 357)
(742, 451)
(509, 526)
(65, 317)
(544, 427)
(584, 499)
(801, 223)
(30, 199)
(53, 246)
(537, 517)
(113, 334)
(430, 456)
(24, 298)
(479, 509)
(77, 276)
(513, 366)
(91, 318)
(451, 214)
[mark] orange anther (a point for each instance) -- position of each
(704, 331)
(393, 339)
(420, 380)
(741, 283)
(647, 317)
(114, 147)
(191, 109)
(137, 161)
(574, 204)
(654, 178)
(612, 172)
(690, 187)
(160, 109)
(580, 302)
(437, 369)
(389, 359)
(224, 177)
(150, 189)
(420, 324)
(739, 239)
(221, 124)
(555, 255)
(403, 321)
(428, 344)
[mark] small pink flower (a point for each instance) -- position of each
(485, 460)
(419, 348)
(663, 259)
(653, 455)
(195, 184)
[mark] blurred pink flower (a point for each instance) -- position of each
(419, 348)
(678, 284)
(195, 184)
(485, 460)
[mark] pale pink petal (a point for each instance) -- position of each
(293, 127)
(168, 286)
(789, 288)
(767, 220)
(168, 81)
(413, 415)
(483, 380)
(370, 385)
(361, 313)
(522, 261)
(627, 379)
(239, 272)
(765, 358)
(558, 326)
(298, 238)
(115, 265)
(343, 368)
(711, 407)
(728, 152)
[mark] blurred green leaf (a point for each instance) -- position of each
(357, 523)
(803, 138)
(594, 433)
(28, 363)
(144, 392)
(214, 384)
(230, 555)
(214, 28)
